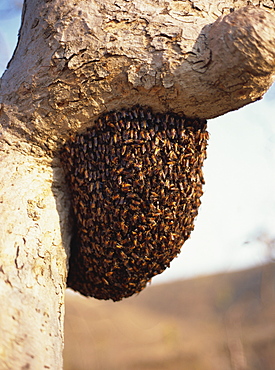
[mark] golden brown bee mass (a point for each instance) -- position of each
(136, 181)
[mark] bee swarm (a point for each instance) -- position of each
(136, 181)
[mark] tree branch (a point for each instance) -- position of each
(74, 61)
(90, 58)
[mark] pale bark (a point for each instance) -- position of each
(74, 61)
(32, 264)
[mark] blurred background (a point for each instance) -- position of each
(214, 308)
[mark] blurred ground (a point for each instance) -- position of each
(224, 321)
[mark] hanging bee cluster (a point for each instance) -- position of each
(136, 181)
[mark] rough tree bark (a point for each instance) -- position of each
(75, 60)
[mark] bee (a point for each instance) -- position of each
(136, 182)
(105, 281)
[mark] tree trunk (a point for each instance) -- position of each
(33, 263)
(74, 61)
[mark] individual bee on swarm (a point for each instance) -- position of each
(136, 182)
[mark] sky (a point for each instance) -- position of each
(238, 205)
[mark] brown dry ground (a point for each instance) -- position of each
(219, 322)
